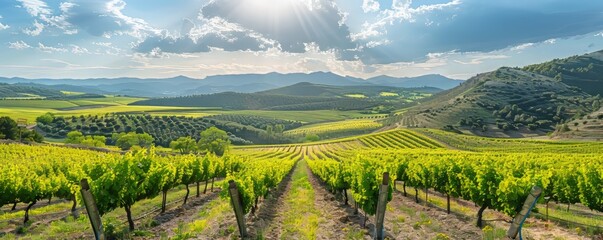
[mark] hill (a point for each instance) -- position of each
(431, 80)
(16, 91)
(589, 127)
(508, 102)
(584, 71)
(322, 90)
(255, 101)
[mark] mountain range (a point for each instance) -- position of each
(242, 83)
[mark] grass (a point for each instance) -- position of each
(115, 219)
(34, 211)
(337, 128)
(356, 95)
(215, 211)
(36, 104)
(31, 109)
(494, 233)
(69, 93)
(388, 94)
(313, 116)
(561, 212)
(301, 217)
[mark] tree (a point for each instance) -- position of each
(8, 128)
(94, 141)
(312, 137)
(184, 145)
(74, 137)
(32, 136)
(47, 118)
(129, 140)
(214, 140)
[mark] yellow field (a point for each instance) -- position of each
(333, 128)
(388, 94)
(356, 95)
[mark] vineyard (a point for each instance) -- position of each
(467, 176)
(30, 175)
(164, 129)
(336, 129)
(495, 174)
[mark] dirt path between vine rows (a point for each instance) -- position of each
(406, 219)
(168, 222)
(339, 222)
(269, 221)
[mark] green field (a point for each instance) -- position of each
(30, 109)
(337, 128)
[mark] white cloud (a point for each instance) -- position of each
(370, 6)
(2, 26)
(372, 44)
(48, 49)
(107, 48)
(18, 45)
(75, 49)
(35, 7)
(137, 27)
(36, 30)
(522, 47)
(400, 11)
(478, 58)
(57, 63)
(42, 12)
(551, 41)
(99, 18)
(65, 6)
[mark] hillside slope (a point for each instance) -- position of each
(589, 127)
(322, 90)
(255, 101)
(508, 102)
(16, 91)
(584, 71)
(431, 80)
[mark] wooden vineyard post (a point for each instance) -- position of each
(523, 214)
(381, 205)
(93, 214)
(237, 206)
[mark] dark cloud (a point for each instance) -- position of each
(100, 18)
(478, 25)
(407, 32)
(237, 41)
(292, 24)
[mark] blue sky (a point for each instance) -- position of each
(361, 38)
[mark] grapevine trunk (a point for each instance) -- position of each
(206, 182)
(187, 192)
(480, 214)
(129, 215)
(26, 219)
(448, 203)
(163, 201)
(197, 189)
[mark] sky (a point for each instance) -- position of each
(360, 38)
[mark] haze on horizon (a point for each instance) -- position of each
(359, 38)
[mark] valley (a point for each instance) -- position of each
(306, 155)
